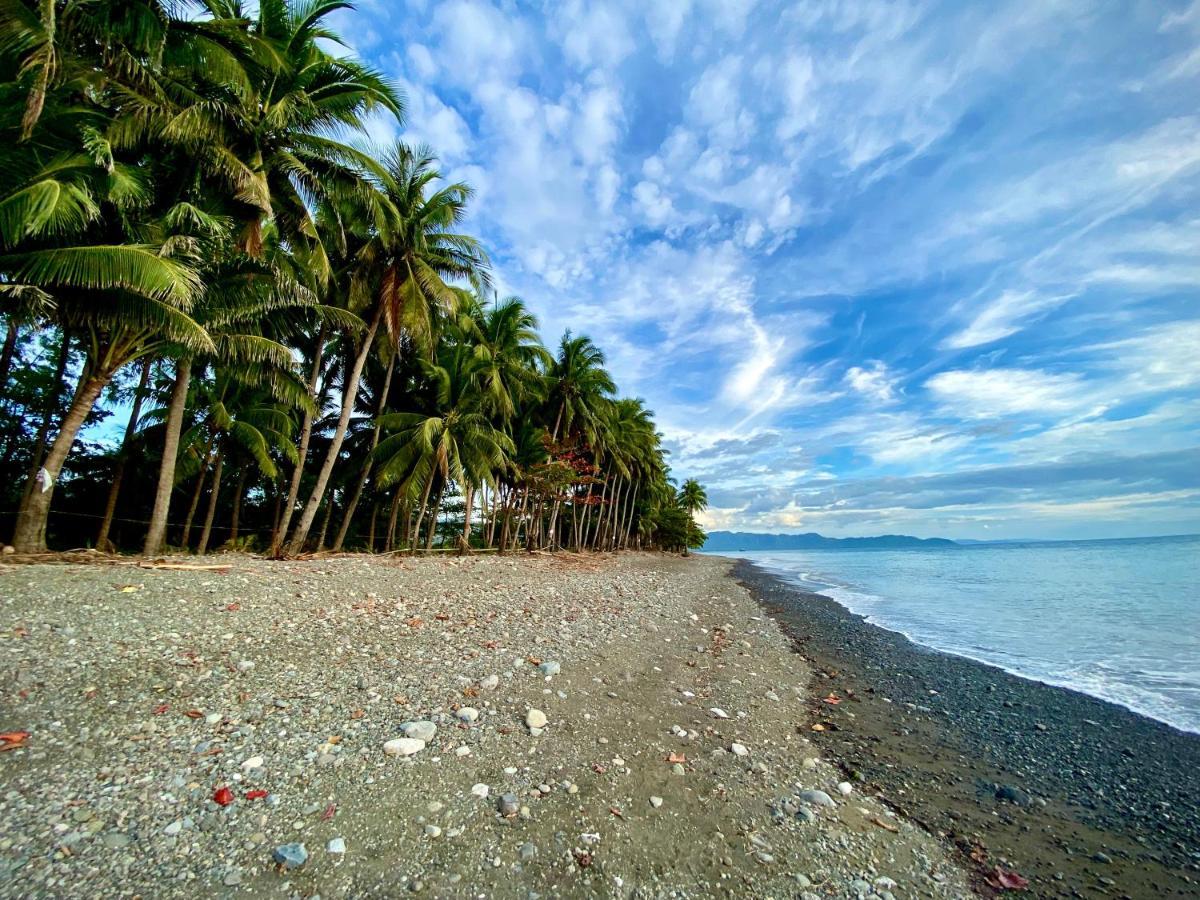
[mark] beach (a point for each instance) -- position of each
(1081, 796)
(632, 725)
(628, 725)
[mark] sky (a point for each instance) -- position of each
(878, 267)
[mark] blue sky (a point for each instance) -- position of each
(923, 267)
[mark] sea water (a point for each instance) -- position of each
(1117, 619)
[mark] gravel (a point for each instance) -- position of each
(141, 709)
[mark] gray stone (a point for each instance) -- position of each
(421, 730)
(290, 856)
(816, 798)
(549, 668)
(467, 714)
(508, 805)
(527, 852)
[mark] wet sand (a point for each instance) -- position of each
(1081, 797)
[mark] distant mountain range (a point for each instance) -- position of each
(739, 540)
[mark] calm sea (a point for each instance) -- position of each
(1117, 619)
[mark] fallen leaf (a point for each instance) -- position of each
(470, 692)
(886, 826)
(832, 700)
(676, 758)
(334, 739)
(490, 645)
(159, 710)
(223, 796)
(598, 769)
(616, 812)
(357, 714)
(329, 813)
(11, 740)
(255, 795)
(442, 617)
(233, 607)
(194, 714)
(129, 588)
(1007, 880)
(414, 622)
(534, 660)
(818, 727)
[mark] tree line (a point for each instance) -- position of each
(287, 340)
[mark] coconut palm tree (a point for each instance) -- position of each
(406, 266)
(692, 498)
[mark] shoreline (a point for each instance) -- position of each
(867, 619)
(1080, 795)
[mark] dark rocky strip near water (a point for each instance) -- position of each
(1081, 797)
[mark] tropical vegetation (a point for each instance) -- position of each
(228, 322)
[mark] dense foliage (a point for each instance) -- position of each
(285, 341)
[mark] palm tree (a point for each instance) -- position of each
(692, 499)
(406, 262)
(452, 442)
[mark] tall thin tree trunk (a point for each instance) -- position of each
(412, 544)
(29, 536)
(325, 521)
(371, 527)
(293, 494)
(213, 497)
(235, 519)
(185, 538)
(114, 489)
(466, 533)
(349, 394)
(366, 468)
(157, 533)
(49, 411)
(276, 514)
(433, 520)
(395, 512)
(8, 352)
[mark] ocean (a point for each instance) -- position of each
(1117, 619)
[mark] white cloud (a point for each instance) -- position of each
(873, 381)
(995, 393)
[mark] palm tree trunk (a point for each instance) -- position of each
(49, 410)
(349, 394)
(412, 544)
(366, 468)
(395, 513)
(213, 497)
(157, 532)
(29, 535)
(305, 436)
(466, 533)
(371, 528)
(325, 522)
(433, 520)
(235, 519)
(185, 538)
(7, 353)
(110, 505)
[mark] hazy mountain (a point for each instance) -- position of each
(739, 540)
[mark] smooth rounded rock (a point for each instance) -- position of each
(419, 730)
(403, 746)
(816, 798)
(535, 718)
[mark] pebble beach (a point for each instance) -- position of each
(611, 726)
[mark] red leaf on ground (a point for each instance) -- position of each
(223, 796)
(255, 795)
(11, 740)
(616, 812)
(676, 758)
(329, 813)
(162, 708)
(1007, 880)
(233, 607)
(598, 769)
(194, 714)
